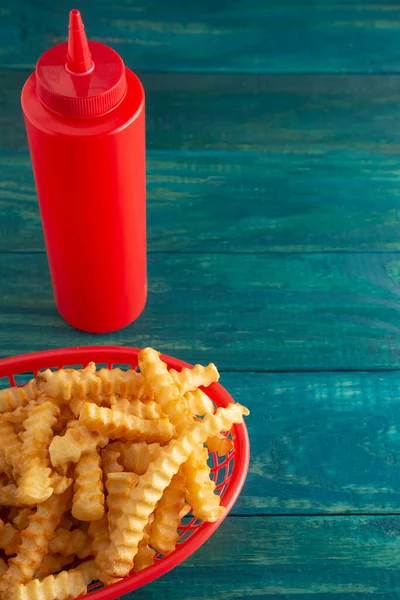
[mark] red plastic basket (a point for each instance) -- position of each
(229, 472)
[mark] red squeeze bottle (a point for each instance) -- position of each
(85, 122)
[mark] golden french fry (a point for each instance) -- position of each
(82, 525)
(156, 374)
(89, 571)
(12, 548)
(64, 384)
(184, 511)
(12, 398)
(199, 403)
(109, 462)
(116, 424)
(189, 380)
(151, 485)
(8, 495)
(145, 555)
(12, 512)
(219, 444)
(3, 566)
(34, 541)
(34, 485)
(52, 563)
(68, 543)
(66, 521)
(137, 408)
(5, 469)
(61, 539)
(19, 415)
(10, 445)
(66, 416)
(164, 530)
(88, 500)
(144, 471)
(67, 585)
(200, 488)
(5, 478)
(165, 392)
(21, 519)
(86, 549)
(59, 483)
(76, 440)
(98, 532)
(9, 538)
(135, 456)
(119, 486)
(76, 403)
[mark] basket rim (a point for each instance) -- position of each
(125, 355)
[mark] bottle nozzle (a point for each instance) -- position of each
(79, 58)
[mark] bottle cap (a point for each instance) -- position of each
(78, 78)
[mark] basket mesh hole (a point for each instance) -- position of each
(23, 378)
(185, 535)
(4, 383)
(124, 367)
(101, 366)
(230, 465)
(221, 478)
(96, 585)
(221, 487)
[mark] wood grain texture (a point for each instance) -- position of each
(273, 230)
(293, 164)
(266, 558)
(308, 114)
(256, 35)
(239, 202)
(246, 312)
(321, 443)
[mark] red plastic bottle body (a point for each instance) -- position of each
(90, 181)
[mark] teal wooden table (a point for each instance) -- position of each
(273, 136)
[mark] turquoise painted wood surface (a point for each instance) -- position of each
(281, 164)
(246, 312)
(307, 558)
(255, 35)
(274, 227)
(294, 114)
(301, 466)
(240, 202)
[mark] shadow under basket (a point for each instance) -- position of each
(229, 472)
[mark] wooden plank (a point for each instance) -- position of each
(243, 311)
(321, 443)
(310, 114)
(306, 164)
(244, 36)
(239, 202)
(326, 558)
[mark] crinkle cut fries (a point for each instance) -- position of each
(100, 467)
